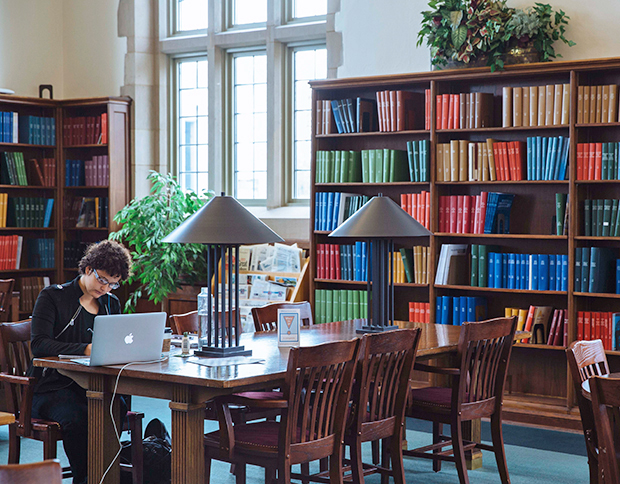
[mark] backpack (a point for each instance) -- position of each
(157, 452)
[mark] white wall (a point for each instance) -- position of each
(71, 44)
(380, 37)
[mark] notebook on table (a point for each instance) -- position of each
(126, 338)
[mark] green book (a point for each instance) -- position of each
(336, 173)
(363, 304)
(387, 165)
(587, 217)
(610, 161)
(585, 269)
(577, 287)
(365, 166)
(614, 217)
(344, 305)
(11, 167)
(350, 303)
(399, 166)
(379, 166)
(331, 156)
(408, 264)
(605, 161)
(424, 159)
(355, 167)
(617, 223)
(412, 176)
(416, 161)
(474, 265)
(606, 216)
(344, 166)
(329, 301)
(356, 304)
(21, 169)
(372, 165)
(318, 168)
(560, 211)
(319, 301)
(335, 305)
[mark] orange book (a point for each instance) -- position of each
(519, 159)
(505, 161)
(528, 321)
(580, 325)
(492, 159)
(457, 111)
(591, 160)
(438, 111)
(412, 312)
(512, 165)
(580, 147)
(586, 104)
(613, 104)
(409, 205)
(599, 104)
(392, 110)
(499, 169)
(451, 112)
(445, 109)
(598, 164)
(587, 325)
(104, 128)
(605, 104)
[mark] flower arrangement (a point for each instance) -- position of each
(471, 31)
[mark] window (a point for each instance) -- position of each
(250, 126)
(192, 122)
(248, 134)
(192, 15)
(308, 64)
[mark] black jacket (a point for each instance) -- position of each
(53, 333)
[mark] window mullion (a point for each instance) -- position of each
(276, 176)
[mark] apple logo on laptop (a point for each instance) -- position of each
(129, 339)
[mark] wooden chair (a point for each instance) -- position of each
(477, 390)
(48, 471)
(15, 357)
(379, 398)
(180, 323)
(316, 393)
(266, 317)
(587, 359)
(605, 407)
(6, 295)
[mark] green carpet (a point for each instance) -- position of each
(535, 456)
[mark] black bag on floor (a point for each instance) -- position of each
(157, 449)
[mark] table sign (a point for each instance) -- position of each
(289, 323)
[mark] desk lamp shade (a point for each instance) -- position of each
(222, 225)
(379, 221)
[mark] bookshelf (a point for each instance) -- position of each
(539, 389)
(43, 243)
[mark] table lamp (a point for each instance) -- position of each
(223, 224)
(379, 221)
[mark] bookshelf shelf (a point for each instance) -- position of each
(512, 182)
(95, 145)
(597, 182)
(494, 289)
(540, 347)
(363, 283)
(86, 229)
(359, 185)
(26, 145)
(493, 129)
(27, 229)
(87, 187)
(374, 133)
(594, 239)
(595, 125)
(25, 187)
(601, 295)
(504, 236)
(46, 270)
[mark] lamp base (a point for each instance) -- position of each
(375, 329)
(217, 352)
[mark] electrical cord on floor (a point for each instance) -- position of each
(118, 435)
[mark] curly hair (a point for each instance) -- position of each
(109, 256)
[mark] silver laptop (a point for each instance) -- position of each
(125, 338)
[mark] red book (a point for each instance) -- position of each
(427, 210)
(599, 325)
(591, 160)
(457, 111)
(417, 313)
(337, 260)
(504, 153)
(553, 328)
(559, 330)
(580, 317)
(452, 214)
(451, 112)
(104, 128)
(475, 215)
(587, 325)
(467, 214)
(438, 111)
(411, 312)
(320, 265)
(427, 109)
(380, 110)
(483, 211)
(528, 321)
(427, 319)
(565, 337)
(409, 204)
(460, 204)
(598, 164)
(445, 109)
(442, 214)
(392, 109)
(403, 202)
(580, 147)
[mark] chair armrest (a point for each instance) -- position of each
(18, 380)
(20, 401)
(246, 399)
(437, 369)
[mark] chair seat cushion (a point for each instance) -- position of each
(437, 397)
(261, 436)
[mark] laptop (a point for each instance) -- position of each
(125, 338)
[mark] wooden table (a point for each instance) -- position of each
(188, 386)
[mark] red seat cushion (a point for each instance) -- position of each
(256, 436)
(431, 397)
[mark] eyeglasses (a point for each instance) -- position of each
(105, 282)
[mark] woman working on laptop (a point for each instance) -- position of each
(62, 323)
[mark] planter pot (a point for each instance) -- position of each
(518, 54)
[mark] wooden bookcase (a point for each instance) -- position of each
(117, 149)
(539, 388)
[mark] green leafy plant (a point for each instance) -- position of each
(159, 267)
(470, 31)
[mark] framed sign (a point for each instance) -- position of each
(289, 323)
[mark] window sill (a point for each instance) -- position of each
(291, 212)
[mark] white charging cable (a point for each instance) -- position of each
(118, 436)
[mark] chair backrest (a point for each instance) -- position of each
(605, 406)
(484, 350)
(318, 387)
(589, 358)
(381, 386)
(48, 471)
(190, 322)
(6, 294)
(266, 317)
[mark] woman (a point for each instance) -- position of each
(62, 323)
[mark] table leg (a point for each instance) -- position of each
(102, 442)
(188, 463)
(472, 431)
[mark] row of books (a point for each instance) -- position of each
(419, 312)
(534, 272)
(333, 208)
(25, 211)
(600, 218)
(599, 325)
(547, 158)
(487, 213)
(338, 166)
(9, 122)
(345, 262)
(398, 110)
(598, 161)
(73, 251)
(85, 130)
(418, 205)
(597, 270)
(339, 305)
(14, 170)
(561, 214)
(29, 288)
(456, 310)
(37, 130)
(416, 263)
(86, 212)
(357, 115)
(464, 111)
(418, 155)
(40, 253)
(93, 172)
(11, 251)
(597, 104)
(535, 105)
(548, 325)
(384, 166)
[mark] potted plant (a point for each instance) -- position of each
(159, 267)
(482, 32)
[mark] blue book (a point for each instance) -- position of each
(497, 266)
(544, 155)
(530, 171)
(551, 153)
(525, 270)
(365, 259)
(555, 174)
(585, 268)
(358, 261)
(456, 310)
(564, 283)
(48, 212)
(329, 211)
(615, 318)
(471, 309)
(6, 127)
(534, 272)
(438, 309)
(1, 126)
(336, 209)
(559, 258)
(537, 161)
(551, 284)
(317, 210)
(504, 271)
(501, 217)
(491, 266)
(446, 309)
(463, 312)
(490, 213)
(512, 271)
(543, 272)
(617, 276)
(563, 175)
(337, 118)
